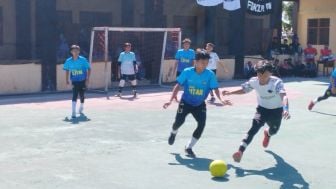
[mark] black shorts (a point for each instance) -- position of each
(272, 117)
(79, 85)
(127, 77)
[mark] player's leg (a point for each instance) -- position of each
(199, 113)
(212, 98)
(121, 84)
(74, 98)
(326, 95)
(82, 96)
(182, 111)
(273, 121)
(133, 80)
(257, 123)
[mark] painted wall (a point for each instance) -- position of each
(20, 78)
(317, 9)
(97, 79)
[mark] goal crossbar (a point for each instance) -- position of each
(131, 29)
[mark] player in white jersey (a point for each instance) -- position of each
(272, 105)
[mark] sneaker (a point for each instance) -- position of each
(311, 105)
(212, 99)
(189, 152)
(119, 94)
(171, 139)
(266, 139)
(237, 156)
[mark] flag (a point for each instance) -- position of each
(208, 3)
(231, 5)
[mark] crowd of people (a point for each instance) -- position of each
(294, 60)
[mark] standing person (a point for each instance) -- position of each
(214, 59)
(331, 91)
(272, 105)
(197, 82)
(127, 69)
(184, 57)
(79, 70)
(311, 69)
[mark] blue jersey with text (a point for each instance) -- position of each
(196, 85)
(185, 59)
(77, 68)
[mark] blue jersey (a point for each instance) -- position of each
(185, 59)
(127, 60)
(77, 68)
(333, 75)
(196, 85)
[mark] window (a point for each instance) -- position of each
(318, 31)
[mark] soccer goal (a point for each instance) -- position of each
(154, 48)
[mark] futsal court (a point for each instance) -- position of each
(122, 143)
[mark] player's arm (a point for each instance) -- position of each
(224, 102)
(67, 77)
(173, 96)
(135, 65)
(285, 104)
(88, 76)
(246, 88)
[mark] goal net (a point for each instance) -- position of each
(154, 49)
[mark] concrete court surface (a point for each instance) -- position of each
(122, 143)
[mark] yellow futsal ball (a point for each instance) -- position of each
(218, 168)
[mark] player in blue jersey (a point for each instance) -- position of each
(331, 91)
(79, 70)
(197, 82)
(128, 68)
(184, 57)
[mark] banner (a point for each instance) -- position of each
(209, 3)
(259, 7)
(231, 5)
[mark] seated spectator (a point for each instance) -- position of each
(295, 50)
(273, 48)
(326, 54)
(286, 68)
(299, 69)
(284, 47)
(249, 70)
(309, 53)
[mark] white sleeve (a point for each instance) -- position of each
(279, 87)
(248, 86)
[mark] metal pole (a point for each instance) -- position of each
(162, 56)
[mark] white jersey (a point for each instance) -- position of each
(231, 5)
(268, 95)
(127, 60)
(213, 61)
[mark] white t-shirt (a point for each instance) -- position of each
(268, 95)
(213, 61)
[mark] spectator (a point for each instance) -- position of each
(311, 69)
(326, 54)
(284, 47)
(273, 48)
(296, 50)
(249, 70)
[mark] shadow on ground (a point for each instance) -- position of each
(282, 172)
(77, 120)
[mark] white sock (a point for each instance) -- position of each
(191, 143)
(81, 107)
(74, 107)
(315, 101)
(174, 132)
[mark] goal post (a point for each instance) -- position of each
(152, 46)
